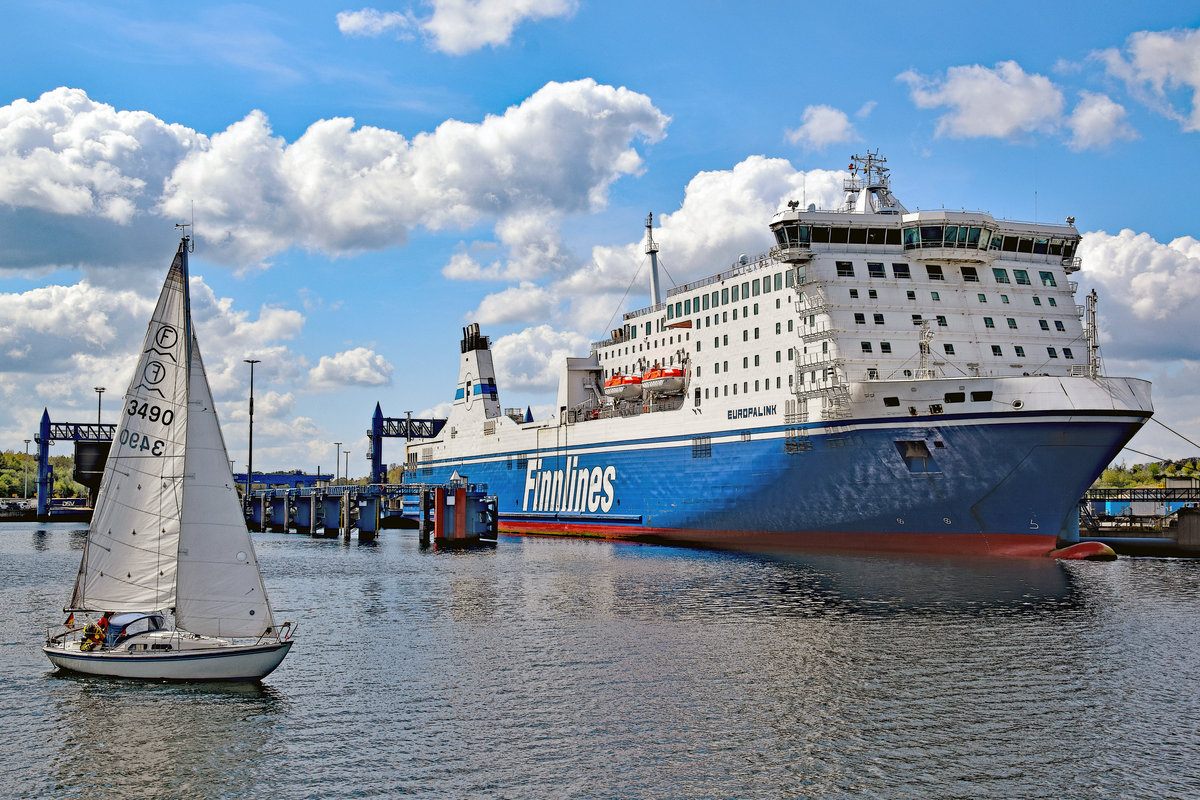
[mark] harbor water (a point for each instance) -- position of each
(556, 668)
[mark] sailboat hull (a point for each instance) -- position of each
(223, 662)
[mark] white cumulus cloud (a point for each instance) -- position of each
(1097, 122)
(95, 180)
(359, 366)
(1155, 64)
(532, 358)
(1001, 102)
(822, 126)
(460, 26)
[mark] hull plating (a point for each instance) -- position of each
(229, 663)
(988, 486)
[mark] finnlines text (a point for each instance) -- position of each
(568, 490)
(757, 411)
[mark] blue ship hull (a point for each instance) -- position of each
(1000, 484)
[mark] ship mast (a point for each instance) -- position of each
(652, 251)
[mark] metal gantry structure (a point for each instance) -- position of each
(49, 432)
(399, 428)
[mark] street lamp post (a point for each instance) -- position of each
(250, 458)
(99, 394)
(26, 495)
(347, 454)
(337, 463)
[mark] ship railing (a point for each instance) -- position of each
(1073, 286)
(1072, 264)
(641, 312)
(1079, 310)
(752, 263)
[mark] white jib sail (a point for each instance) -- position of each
(220, 590)
(129, 562)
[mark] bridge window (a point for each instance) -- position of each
(1022, 277)
(970, 275)
(935, 272)
(875, 270)
(901, 272)
(1047, 278)
(845, 269)
(1000, 274)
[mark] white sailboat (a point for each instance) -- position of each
(168, 539)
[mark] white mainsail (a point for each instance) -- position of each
(168, 532)
(129, 562)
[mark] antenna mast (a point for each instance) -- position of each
(1093, 337)
(652, 251)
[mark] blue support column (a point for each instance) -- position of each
(368, 518)
(377, 473)
(45, 480)
(331, 505)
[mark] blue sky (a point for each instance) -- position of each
(365, 180)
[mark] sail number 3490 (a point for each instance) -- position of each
(151, 412)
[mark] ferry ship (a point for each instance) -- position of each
(879, 380)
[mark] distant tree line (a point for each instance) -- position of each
(12, 475)
(1121, 476)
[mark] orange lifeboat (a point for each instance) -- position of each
(623, 387)
(663, 380)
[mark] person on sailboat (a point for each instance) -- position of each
(95, 633)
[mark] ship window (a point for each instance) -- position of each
(875, 270)
(860, 319)
(766, 284)
(1067, 353)
(854, 294)
(872, 294)
(858, 236)
(745, 389)
(733, 298)
(1010, 244)
(845, 269)
(745, 336)
(988, 322)
(1000, 274)
(756, 385)
(877, 236)
(901, 272)
(982, 297)
(1004, 299)
(725, 366)
(745, 290)
(951, 236)
(931, 235)
(891, 402)
(885, 347)
(911, 294)
(866, 346)
(1020, 351)
(1047, 278)
(716, 299)
(972, 237)
(879, 319)
(1052, 352)
(996, 351)
(934, 296)
(893, 236)
(1025, 245)
(704, 302)
(941, 321)
(756, 333)
(1012, 323)
(1021, 277)
(790, 277)
(970, 275)
(670, 311)
(717, 367)
(790, 326)
(935, 272)
(912, 238)
(820, 235)
(1037, 301)
(778, 281)
(949, 348)
(955, 397)
(687, 307)
(755, 287)
(724, 296)
(839, 236)
(778, 356)
(1053, 302)
(778, 328)
(725, 339)
(981, 397)
(1055, 247)
(916, 318)
(756, 308)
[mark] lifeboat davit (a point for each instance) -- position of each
(662, 380)
(623, 387)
